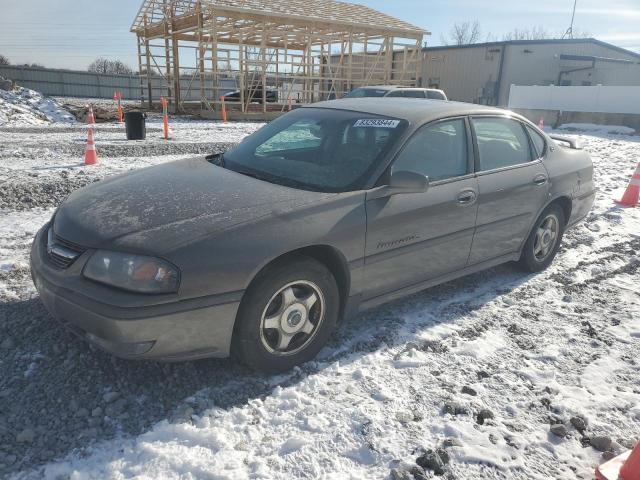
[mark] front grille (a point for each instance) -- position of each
(62, 253)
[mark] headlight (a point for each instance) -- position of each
(132, 272)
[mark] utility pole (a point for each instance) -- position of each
(569, 32)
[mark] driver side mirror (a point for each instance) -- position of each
(403, 182)
(408, 182)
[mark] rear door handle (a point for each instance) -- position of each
(467, 197)
(540, 179)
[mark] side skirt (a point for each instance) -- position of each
(403, 292)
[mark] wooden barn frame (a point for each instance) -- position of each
(275, 54)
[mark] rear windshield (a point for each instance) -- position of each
(366, 92)
(317, 149)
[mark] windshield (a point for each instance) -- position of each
(316, 149)
(366, 92)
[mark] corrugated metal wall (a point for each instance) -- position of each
(70, 83)
(469, 74)
(540, 64)
(465, 74)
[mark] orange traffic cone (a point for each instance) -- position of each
(91, 119)
(90, 153)
(623, 467)
(631, 468)
(632, 194)
(541, 123)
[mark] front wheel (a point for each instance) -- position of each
(544, 241)
(286, 316)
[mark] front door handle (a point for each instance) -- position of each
(540, 179)
(467, 197)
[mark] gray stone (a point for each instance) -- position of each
(602, 443)
(579, 423)
(454, 408)
(7, 344)
(606, 456)
(96, 412)
(419, 473)
(397, 474)
(484, 415)
(469, 391)
(110, 397)
(26, 436)
(444, 455)
(430, 460)
(559, 430)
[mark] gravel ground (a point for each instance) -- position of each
(60, 398)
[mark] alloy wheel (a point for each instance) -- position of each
(546, 237)
(292, 318)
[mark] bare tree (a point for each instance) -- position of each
(112, 67)
(535, 33)
(463, 34)
(4, 60)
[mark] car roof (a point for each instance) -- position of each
(408, 109)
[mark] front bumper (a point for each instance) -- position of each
(170, 331)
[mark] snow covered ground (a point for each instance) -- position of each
(478, 371)
(22, 106)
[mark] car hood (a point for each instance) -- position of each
(162, 207)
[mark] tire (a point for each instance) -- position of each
(540, 248)
(279, 323)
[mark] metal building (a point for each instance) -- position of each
(273, 52)
(483, 73)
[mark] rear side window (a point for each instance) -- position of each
(438, 151)
(434, 95)
(502, 142)
(414, 93)
(366, 92)
(538, 142)
(406, 93)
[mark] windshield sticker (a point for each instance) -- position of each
(377, 123)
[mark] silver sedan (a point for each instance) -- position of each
(331, 209)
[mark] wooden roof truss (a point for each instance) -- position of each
(193, 51)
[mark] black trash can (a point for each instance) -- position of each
(136, 125)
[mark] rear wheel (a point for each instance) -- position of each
(286, 316)
(544, 241)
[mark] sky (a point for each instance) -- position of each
(72, 33)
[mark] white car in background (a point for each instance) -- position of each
(397, 91)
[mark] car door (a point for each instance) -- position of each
(415, 237)
(513, 185)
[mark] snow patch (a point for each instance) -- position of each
(22, 106)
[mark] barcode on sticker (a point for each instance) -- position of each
(377, 123)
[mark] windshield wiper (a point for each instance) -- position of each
(216, 159)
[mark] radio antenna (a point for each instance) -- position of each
(569, 32)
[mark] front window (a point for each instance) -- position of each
(366, 92)
(317, 149)
(438, 151)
